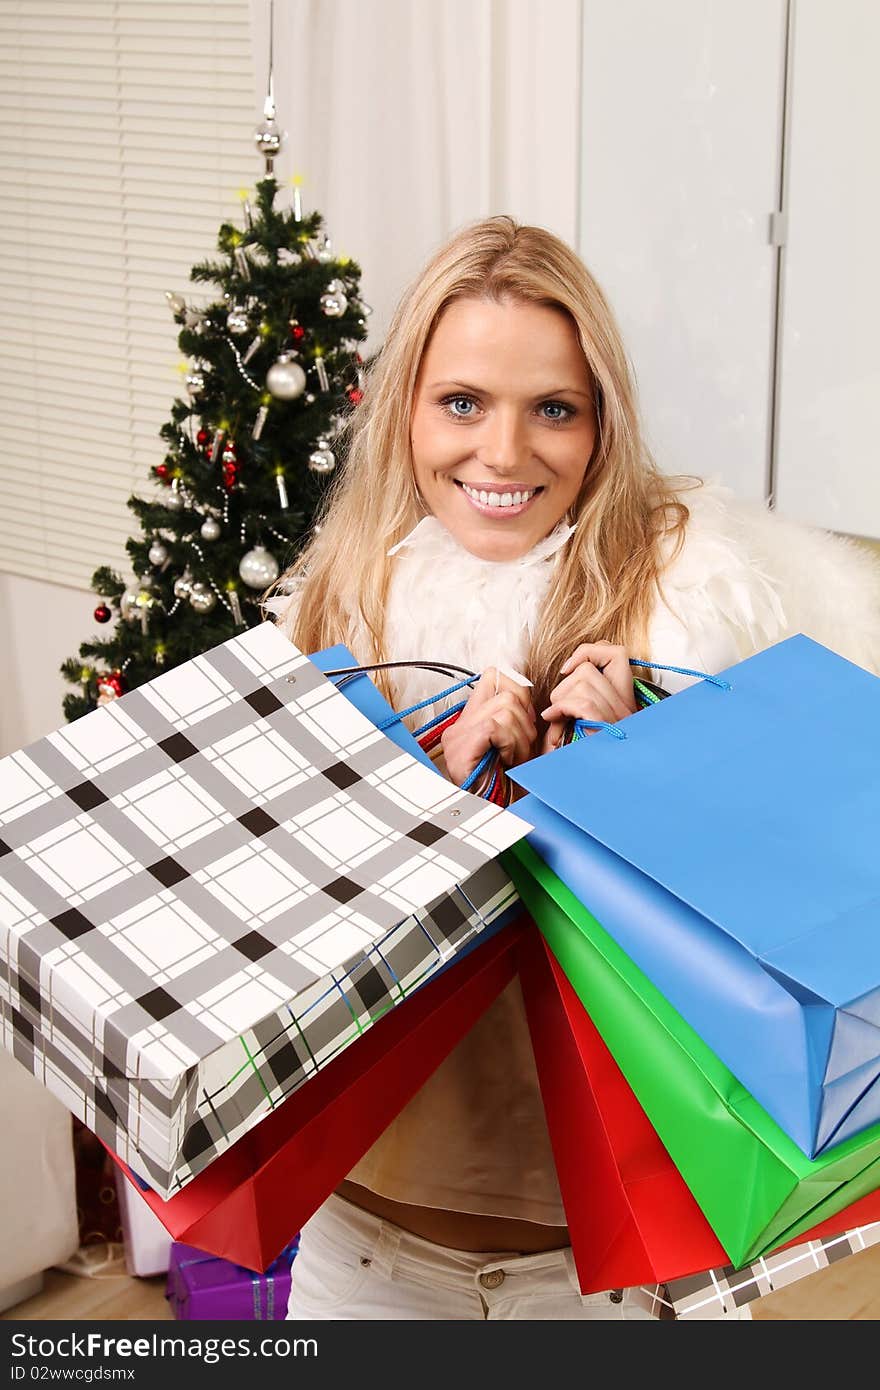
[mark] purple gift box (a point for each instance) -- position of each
(203, 1288)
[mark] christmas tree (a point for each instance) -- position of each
(273, 372)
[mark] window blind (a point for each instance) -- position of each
(126, 133)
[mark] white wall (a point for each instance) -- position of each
(830, 347)
(682, 141)
(40, 625)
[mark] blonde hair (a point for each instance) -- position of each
(605, 582)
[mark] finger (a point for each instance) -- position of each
(575, 709)
(522, 732)
(509, 682)
(553, 736)
(512, 699)
(483, 691)
(594, 684)
(576, 704)
(609, 658)
(597, 653)
(618, 671)
(464, 748)
(513, 736)
(587, 694)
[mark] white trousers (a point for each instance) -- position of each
(353, 1265)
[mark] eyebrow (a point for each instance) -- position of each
(481, 391)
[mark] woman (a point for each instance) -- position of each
(499, 510)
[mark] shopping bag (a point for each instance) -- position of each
(253, 1198)
(754, 1185)
(631, 1218)
(727, 839)
(211, 886)
(718, 1292)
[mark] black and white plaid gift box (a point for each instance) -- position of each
(723, 1292)
(211, 886)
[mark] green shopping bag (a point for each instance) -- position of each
(755, 1187)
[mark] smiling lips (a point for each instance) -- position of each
(510, 502)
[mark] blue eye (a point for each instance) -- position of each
(458, 400)
(567, 410)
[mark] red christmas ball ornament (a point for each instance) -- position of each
(102, 613)
(163, 472)
(355, 395)
(297, 333)
(230, 475)
(111, 684)
(203, 438)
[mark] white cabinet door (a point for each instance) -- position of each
(829, 363)
(680, 170)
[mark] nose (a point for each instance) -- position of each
(503, 445)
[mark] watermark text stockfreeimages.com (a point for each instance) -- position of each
(93, 1346)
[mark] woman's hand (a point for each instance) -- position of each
(499, 714)
(597, 684)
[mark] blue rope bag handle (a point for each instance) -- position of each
(470, 678)
(647, 693)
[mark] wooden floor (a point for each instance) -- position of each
(844, 1291)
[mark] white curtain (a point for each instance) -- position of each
(408, 118)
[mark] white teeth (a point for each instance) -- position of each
(499, 499)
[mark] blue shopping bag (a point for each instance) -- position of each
(729, 843)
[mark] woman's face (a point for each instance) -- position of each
(503, 424)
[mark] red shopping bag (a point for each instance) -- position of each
(248, 1204)
(631, 1217)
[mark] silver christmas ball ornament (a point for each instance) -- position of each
(285, 378)
(195, 380)
(202, 597)
(174, 500)
(322, 459)
(333, 300)
(237, 320)
(268, 138)
(210, 529)
(158, 553)
(258, 568)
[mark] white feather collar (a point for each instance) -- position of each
(447, 604)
